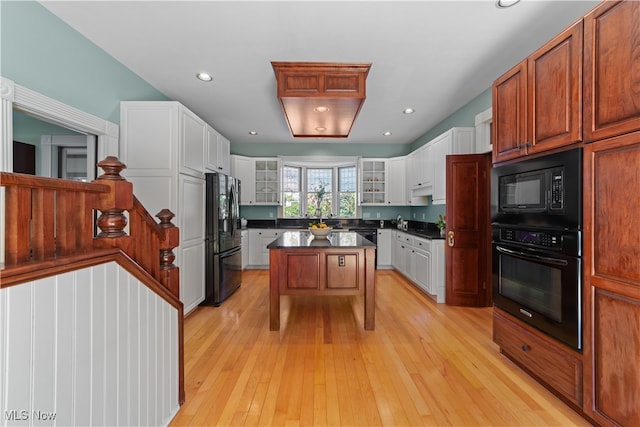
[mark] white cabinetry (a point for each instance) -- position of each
(453, 141)
(421, 261)
(396, 189)
(421, 172)
(259, 238)
(259, 179)
(244, 243)
(217, 152)
(163, 145)
(383, 251)
(483, 131)
(373, 186)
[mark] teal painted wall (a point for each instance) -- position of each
(41, 52)
(465, 116)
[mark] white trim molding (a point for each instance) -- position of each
(20, 98)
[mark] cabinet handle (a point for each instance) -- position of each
(525, 347)
(451, 239)
(528, 144)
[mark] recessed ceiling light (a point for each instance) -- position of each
(503, 4)
(321, 129)
(387, 133)
(321, 109)
(408, 111)
(253, 132)
(204, 77)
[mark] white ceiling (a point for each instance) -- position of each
(433, 56)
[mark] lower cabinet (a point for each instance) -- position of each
(421, 261)
(190, 259)
(554, 364)
(244, 243)
(384, 249)
(259, 238)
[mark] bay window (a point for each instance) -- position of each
(309, 187)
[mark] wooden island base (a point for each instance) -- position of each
(322, 270)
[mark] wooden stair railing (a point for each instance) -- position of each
(49, 220)
(51, 225)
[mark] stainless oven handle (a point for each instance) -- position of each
(554, 261)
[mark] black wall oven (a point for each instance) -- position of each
(537, 243)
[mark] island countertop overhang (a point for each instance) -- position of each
(304, 239)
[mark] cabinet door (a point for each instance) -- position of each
(510, 114)
(384, 248)
(255, 247)
(555, 86)
(212, 150)
(224, 155)
(243, 169)
(190, 259)
(440, 148)
(611, 70)
(192, 143)
(191, 209)
(372, 181)
(244, 235)
(267, 181)
(612, 280)
(396, 185)
(423, 270)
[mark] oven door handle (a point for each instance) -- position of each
(518, 254)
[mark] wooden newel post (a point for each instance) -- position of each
(112, 220)
(169, 273)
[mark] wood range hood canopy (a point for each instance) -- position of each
(321, 99)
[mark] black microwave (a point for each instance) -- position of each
(545, 191)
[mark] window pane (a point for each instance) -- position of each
(347, 179)
(347, 204)
(291, 204)
(290, 178)
(317, 178)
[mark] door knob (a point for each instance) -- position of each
(451, 239)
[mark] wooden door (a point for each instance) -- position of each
(612, 70)
(554, 92)
(468, 243)
(612, 280)
(510, 114)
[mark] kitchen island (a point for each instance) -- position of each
(341, 264)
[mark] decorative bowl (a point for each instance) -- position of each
(320, 233)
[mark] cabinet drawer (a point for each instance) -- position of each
(557, 366)
(422, 244)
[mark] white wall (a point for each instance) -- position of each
(89, 347)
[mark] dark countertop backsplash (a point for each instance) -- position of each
(424, 229)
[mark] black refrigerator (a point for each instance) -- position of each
(223, 254)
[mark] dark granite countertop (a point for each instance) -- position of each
(304, 239)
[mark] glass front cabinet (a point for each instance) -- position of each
(373, 185)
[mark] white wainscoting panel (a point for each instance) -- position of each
(89, 347)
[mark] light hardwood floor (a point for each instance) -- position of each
(426, 364)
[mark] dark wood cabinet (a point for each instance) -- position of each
(556, 365)
(612, 70)
(612, 280)
(537, 104)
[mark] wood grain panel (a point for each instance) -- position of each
(555, 91)
(510, 113)
(617, 377)
(612, 70)
(342, 276)
(302, 271)
(616, 252)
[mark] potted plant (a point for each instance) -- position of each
(442, 224)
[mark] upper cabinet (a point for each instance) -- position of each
(373, 184)
(218, 157)
(459, 140)
(259, 179)
(537, 104)
(396, 182)
(612, 70)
